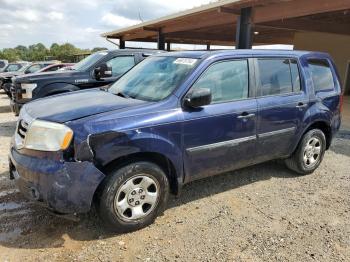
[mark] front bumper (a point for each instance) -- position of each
(15, 106)
(63, 187)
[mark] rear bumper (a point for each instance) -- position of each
(63, 187)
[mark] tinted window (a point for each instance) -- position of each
(13, 68)
(321, 74)
(53, 68)
(227, 81)
(2, 64)
(121, 64)
(33, 69)
(275, 76)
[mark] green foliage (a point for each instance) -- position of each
(39, 52)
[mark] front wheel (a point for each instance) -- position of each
(133, 196)
(309, 154)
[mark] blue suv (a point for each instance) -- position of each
(174, 118)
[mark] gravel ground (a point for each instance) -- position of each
(261, 213)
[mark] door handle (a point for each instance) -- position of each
(301, 105)
(246, 115)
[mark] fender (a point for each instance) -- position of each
(316, 113)
(104, 148)
(56, 88)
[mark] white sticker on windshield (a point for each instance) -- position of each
(185, 61)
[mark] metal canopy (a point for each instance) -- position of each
(221, 23)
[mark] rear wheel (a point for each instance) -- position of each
(133, 196)
(309, 154)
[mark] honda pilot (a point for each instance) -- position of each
(172, 119)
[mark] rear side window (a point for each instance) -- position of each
(321, 74)
(278, 76)
(227, 81)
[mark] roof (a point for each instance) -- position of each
(248, 52)
(274, 21)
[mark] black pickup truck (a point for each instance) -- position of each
(97, 70)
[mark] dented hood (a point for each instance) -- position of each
(75, 105)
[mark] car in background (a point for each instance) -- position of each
(13, 67)
(6, 78)
(97, 70)
(56, 67)
(3, 64)
(173, 119)
(10, 69)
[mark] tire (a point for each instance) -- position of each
(118, 190)
(309, 153)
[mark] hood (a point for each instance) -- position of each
(10, 74)
(75, 105)
(56, 75)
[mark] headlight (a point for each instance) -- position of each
(48, 136)
(29, 89)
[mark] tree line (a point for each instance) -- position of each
(39, 52)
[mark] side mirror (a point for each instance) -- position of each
(102, 71)
(198, 97)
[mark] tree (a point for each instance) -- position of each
(39, 52)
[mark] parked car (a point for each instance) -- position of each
(13, 67)
(99, 69)
(55, 67)
(3, 64)
(173, 119)
(10, 69)
(6, 78)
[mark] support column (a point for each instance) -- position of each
(168, 46)
(244, 29)
(208, 47)
(121, 44)
(161, 40)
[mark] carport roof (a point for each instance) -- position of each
(275, 22)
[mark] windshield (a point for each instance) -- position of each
(88, 61)
(24, 68)
(154, 79)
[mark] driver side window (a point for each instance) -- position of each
(121, 64)
(227, 81)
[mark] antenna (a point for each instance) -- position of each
(140, 15)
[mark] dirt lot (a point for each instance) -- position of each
(262, 213)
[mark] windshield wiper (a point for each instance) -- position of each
(121, 94)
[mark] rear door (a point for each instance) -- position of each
(282, 103)
(221, 136)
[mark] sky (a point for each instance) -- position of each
(80, 22)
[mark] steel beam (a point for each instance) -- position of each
(121, 43)
(244, 38)
(161, 40)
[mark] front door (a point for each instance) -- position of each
(119, 65)
(282, 103)
(221, 136)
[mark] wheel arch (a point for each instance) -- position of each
(58, 88)
(324, 126)
(154, 157)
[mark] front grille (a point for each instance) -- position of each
(22, 128)
(23, 125)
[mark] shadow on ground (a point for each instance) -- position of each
(45, 230)
(7, 128)
(5, 109)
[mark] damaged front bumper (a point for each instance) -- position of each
(64, 187)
